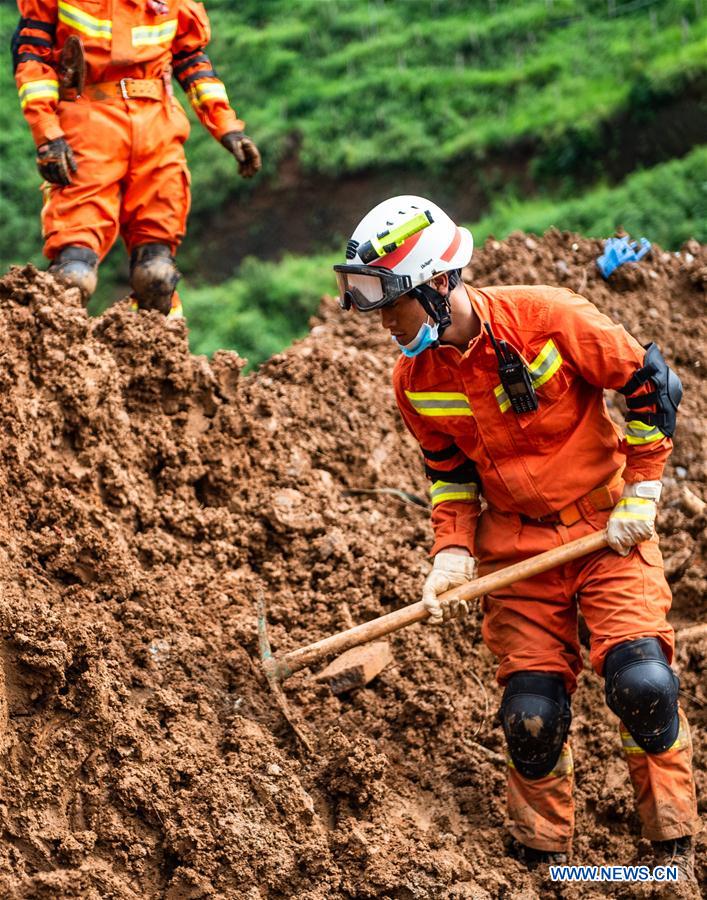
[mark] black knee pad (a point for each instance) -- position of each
(153, 276)
(536, 716)
(642, 690)
(76, 267)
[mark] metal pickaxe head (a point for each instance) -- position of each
(274, 671)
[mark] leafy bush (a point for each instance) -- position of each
(261, 310)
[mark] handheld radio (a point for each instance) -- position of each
(514, 376)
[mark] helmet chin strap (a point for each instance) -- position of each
(436, 305)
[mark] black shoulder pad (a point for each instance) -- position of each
(665, 398)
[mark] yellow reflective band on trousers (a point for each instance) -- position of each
(84, 22)
(47, 89)
(147, 35)
(541, 369)
(638, 432)
(636, 508)
(448, 490)
(439, 403)
(563, 767)
(207, 90)
(631, 748)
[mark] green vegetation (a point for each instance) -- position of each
(526, 94)
(667, 204)
(260, 311)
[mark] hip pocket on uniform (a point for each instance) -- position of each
(179, 120)
(656, 592)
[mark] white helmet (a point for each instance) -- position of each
(400, 244)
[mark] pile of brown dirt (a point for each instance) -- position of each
(148, 496)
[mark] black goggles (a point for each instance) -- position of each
(368, 287)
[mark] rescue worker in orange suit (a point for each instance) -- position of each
(94, 81)
(502, 387)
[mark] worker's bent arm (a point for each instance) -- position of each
(35, 72)
(195, 73)
(455, 487)
(607, 356)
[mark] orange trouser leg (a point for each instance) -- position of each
(623, 599)
(664, 786)
(86, 212)
(541, 810)
(532, 626)
(156, 194)
(132, 176)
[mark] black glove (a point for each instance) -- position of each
(245, 151)
(55, 161)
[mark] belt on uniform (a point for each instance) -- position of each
(606, 496)
(127, 88)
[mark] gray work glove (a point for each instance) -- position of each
(246, 153)
(55, 161)
(449, 570)
(632, 520)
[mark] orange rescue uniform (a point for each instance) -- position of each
(126, 130)
(549, 477)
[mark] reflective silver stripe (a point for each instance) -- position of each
(629, 745)
(38, 90)
(545, 364)
(448, 490)
(439, 403)
(634, 508)
(502, 398)
(638, 432)
(541, 369)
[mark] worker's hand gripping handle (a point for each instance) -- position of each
(282, 667)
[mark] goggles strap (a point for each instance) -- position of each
(436, 305)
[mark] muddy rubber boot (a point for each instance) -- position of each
(76, 267)
(678, 852)
(532, 858)
(153, 277)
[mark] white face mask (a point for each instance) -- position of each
(425, 337)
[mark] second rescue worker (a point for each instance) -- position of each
(503, 389)
(94, 80)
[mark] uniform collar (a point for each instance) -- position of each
(479, 303)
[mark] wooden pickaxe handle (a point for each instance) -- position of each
(279, 668)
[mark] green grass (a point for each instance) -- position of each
(667, 204)
(260, 311)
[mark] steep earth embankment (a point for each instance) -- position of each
(148, 496)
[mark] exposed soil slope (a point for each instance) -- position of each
(148, 496)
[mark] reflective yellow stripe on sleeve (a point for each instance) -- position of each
(84, 22)
(207, 90)
(48, 89)
(638, 432)
(148, 35)
(447, 490)
(439, 403)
